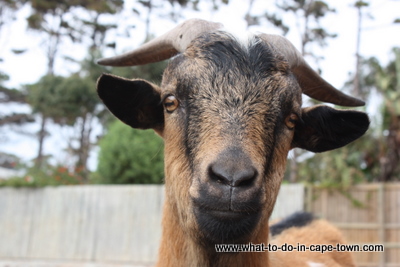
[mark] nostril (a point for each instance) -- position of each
(219, 175)
(233, 176)
(244, 177)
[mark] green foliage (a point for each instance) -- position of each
(12, 95)
(130, 156)
(360, 4)
(67, 101)
(89, 67)
(307, 13)
(9, 3)
(105, 6)
(50, 6)
(342, 167)
(277, 22)
(386, 81)
(63, 99)
(8, 95)
(46, 176)
(3, 77)
(62, 19)
(77, 97)
(43, 96)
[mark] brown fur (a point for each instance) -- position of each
(318, 232)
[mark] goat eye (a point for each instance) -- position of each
(291, 120)
(171, 103)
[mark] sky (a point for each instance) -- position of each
(379, 36)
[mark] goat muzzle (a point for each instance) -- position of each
(229, 197)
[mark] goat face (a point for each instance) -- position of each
(229, 113)
(235, 121)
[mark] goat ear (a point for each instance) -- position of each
(324, 128)
(135, 102)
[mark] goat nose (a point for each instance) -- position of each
(232, 174)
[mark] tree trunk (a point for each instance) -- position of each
(84, 146)
(390, 162)
(356, 82)
(41, 135)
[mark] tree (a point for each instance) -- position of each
(130, 156)
(308, 15)
(42, 96)
(48, 17)
(356, 83)
(68, 101)
(93, 27)
(8, 95)
(386, 81)
(78, 103)
(58, 22)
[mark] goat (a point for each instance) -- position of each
(229, 112)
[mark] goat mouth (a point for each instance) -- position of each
(225, 215)
(221, 226)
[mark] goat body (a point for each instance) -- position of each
(229, 112)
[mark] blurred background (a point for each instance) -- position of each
(55, 132)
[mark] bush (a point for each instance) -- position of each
(46, 176)
(130, 156)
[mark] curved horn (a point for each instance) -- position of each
(165, 46)
(311, 83)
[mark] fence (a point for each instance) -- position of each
(93, 223)
(123, 223)
(366, 214)
(82, 223)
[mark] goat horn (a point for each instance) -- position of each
(166, 46)
(310, 82)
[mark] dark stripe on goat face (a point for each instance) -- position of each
(222, 52)
(289, 100)
(228, 90)
(223, 86)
